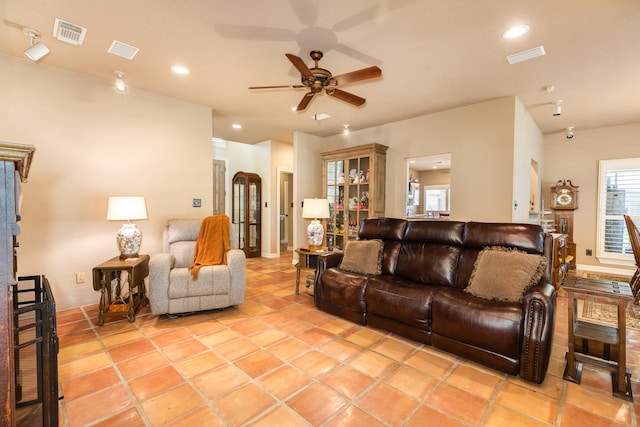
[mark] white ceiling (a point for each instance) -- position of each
(434, 55)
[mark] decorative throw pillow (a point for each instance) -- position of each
(504, 274)
(363, 257)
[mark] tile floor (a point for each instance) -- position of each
(277, 361)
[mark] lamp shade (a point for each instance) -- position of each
(315, 208)
(126, 208)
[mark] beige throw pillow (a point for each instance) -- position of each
(363, 257)
(505, 274)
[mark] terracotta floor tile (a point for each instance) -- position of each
(121, 338)
(236, 349)
(280, 416)
(315, 336)
(221, 336)
(244, 404)
(90, 383)
(289, 349)
(363, 337)
(138, 366)
(82, 366)
(388, 403)
(503, 417)
(77, 337)
(171, 337)
(354, 416)
(199, 364)
(131, 350)
(435, 419)
(317, 403)
(573, 416)
(337, 326)
(258, 363)
(170, 405)
(474, 381)
(599, 402)
(155, 382)
(267, 337)
(315, 363)
(411, 381)
(130, 418)
(372, 363)
(447, 399)
(393, 349)
(184, 349)
(429, 363)
(218, 382)
(95, 407)
(341, 349)
(528, 402)
(79, 350)
(284, 381)
(200, 417)
(347, 381)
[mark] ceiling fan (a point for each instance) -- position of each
(318, 79)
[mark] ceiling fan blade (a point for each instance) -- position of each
(306, 99)
(300, 65)
(277, 87)
(355, 76)
(346, 96)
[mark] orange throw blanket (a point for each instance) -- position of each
(212, 244)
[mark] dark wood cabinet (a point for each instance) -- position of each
(247, 213)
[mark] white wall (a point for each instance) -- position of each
(577, 159)
(480, 138)
(92, 143)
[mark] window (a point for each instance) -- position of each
(436, 198)
(618, 195)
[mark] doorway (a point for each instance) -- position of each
(285, 203)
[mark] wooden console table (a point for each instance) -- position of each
(109, 279)
(605, 292)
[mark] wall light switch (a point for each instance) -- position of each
(197, 203)
(80, 277)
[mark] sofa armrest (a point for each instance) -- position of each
(160, 266)
(236, 260)
(325, 261)
(539, 307)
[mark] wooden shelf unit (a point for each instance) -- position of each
(353, 183)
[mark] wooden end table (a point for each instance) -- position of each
(308, 260)
(606, 292)
(110, 279)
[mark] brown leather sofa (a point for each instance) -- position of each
(420, 294)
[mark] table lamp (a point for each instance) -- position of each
(315, 209)
(129, 236)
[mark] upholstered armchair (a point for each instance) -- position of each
(172, 288)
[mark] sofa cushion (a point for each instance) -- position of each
(183, 252)
(490, 326)
(363, 257)
(505, 274)
(404, 301)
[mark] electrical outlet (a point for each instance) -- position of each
(197, 203)
(589, 252)
(80, 277)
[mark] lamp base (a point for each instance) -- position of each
(129, 239)
(313, 248)
(315, 233)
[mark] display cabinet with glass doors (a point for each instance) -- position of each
(354, 187)
(246, 216)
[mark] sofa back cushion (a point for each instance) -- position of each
(430, 251)
(390, 231)
(527, 238)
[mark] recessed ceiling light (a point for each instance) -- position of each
(236, 126)
(516, 31)
(179, 69)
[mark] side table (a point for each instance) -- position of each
(308, 260)
(607, 292)
(110, 279)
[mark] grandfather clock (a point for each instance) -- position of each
(564, 201)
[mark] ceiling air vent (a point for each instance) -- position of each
(68, 32)
(123, 50)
